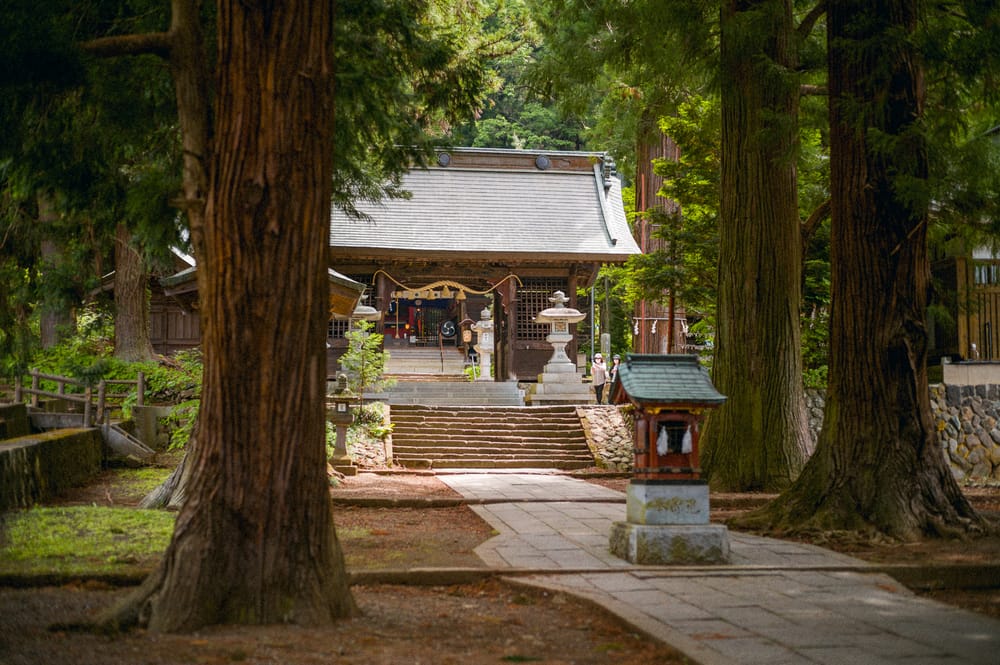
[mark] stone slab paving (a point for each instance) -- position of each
(777, 602)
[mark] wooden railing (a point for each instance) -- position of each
(85, 396)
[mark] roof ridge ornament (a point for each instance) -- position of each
(610, 169)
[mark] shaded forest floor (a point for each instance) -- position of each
(408, 521)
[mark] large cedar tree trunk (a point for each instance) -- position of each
(758, 440)
(131, 301)
(878, 464)
(255, 541)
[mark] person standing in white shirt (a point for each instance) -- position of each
(599, 373)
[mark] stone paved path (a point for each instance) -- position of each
(777, 603)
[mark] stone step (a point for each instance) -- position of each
(460, 456)
(439, 385)
(453, 393)
(452, 401)
(487, 447)
(483, 437)
(472, 410)
(510, 432)
(493, 463)
(480, 419)
(425, 361)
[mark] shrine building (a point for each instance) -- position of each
(482, 228)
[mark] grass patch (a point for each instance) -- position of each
(83, 540)
(143, 480)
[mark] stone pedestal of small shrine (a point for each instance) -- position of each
(667, 505)
(339, 413)
(559, 382)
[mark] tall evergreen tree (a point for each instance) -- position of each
(655, 54)
(878, 465)
(260, 173)
(759, 439)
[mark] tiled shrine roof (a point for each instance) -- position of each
(672, 379)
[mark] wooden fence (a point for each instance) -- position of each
(94, 411)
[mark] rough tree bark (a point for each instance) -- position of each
(877, 465)
(759, 439)
(255, 541)
(132, 341)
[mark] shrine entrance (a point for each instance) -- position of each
(430, 314)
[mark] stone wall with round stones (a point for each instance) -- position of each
(609, 435)
(967, 420)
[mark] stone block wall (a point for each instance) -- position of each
(967, 419)
(36, 467)
(609, 435)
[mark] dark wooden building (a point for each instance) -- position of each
(965, 318)
(486, 228)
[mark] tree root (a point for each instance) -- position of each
(130, 612)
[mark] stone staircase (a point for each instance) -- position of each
(441, 437)
(424, 362)
(439, 391)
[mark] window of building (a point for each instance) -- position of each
(987, 273)
(532, 297)
(337, 327)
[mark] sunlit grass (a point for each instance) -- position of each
(83, 540)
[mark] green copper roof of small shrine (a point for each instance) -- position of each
(667, 379)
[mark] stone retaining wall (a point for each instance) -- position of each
(967, 419)
(36, 467)
(609, 435)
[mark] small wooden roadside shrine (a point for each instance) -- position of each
(670, 395)
(667, 512)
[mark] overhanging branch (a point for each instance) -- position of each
(815, 219)
(809, 21)
(156, 43)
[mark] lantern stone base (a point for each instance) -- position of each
(670, 544)
(668, 524)
(559, 384)
(343, 464)
(657, 502)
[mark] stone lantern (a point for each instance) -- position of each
(559, 382)
(667, 511)
(559, 317)
(484, 343)
(339, 413)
